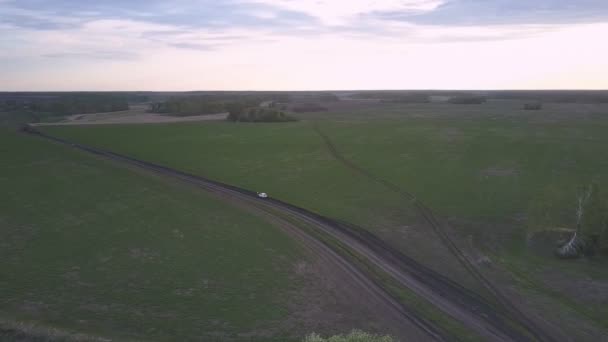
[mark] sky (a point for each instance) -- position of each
(174, 45)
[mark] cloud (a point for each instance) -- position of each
(33, 19)
(338, 12)
(300, 15)
(192, 46)
(502, 12)
(26, 21)
(101, 55)
(181, 13)
(95, 40)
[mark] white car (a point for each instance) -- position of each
(262, 195)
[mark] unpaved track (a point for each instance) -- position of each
(353, 282)
(508, 309)
(453, 299)
(406, 324)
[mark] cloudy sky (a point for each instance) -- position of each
(303, 44)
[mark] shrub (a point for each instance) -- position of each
(188, 107)
(533, 106)
(467, 99)
(594, 223)
(309, 107)
(258, 114)
(328, 98)
(411, 98)
(354, 336)
(592, 226)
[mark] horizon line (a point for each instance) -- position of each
(302, 90)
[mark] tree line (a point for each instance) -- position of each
(213, 104)
(37, 107)
(67, 104)
(264, 107)
(393, 96)
(239, 113)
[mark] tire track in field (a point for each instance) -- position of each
(354, 278)
(510, 310)
(448, 296)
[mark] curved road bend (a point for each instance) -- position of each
(454, 300)
(508, 308)
(404, 321)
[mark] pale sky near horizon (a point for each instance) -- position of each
(48, 45)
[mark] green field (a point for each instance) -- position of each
(289, 161)
(93, 247)
(481, 171)
(498, 177)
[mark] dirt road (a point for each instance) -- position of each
(506, 306)
(401, 320)
(458, 302)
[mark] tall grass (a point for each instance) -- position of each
(353, 336)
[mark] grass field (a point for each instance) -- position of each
(499, 174)
(102, 250)
(297, 169)
(479, 171)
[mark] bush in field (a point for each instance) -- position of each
(188, 107)
(467, 99)
(258, 114)
(354, 336)
(594, 222)
(411, 98)
(591, 232)
(327, 97)
(533, 106)
(309, 107)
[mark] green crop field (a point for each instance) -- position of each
(480, 171)
(289, 161)
(497, 175)
(92, 247)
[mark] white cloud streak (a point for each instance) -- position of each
(334, 12)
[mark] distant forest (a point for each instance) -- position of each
(26, 107)
(38, 107)
(259, 114)
(397, 97)
(213, 103)
(65, 103)
(476, 97)
(559, 96)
